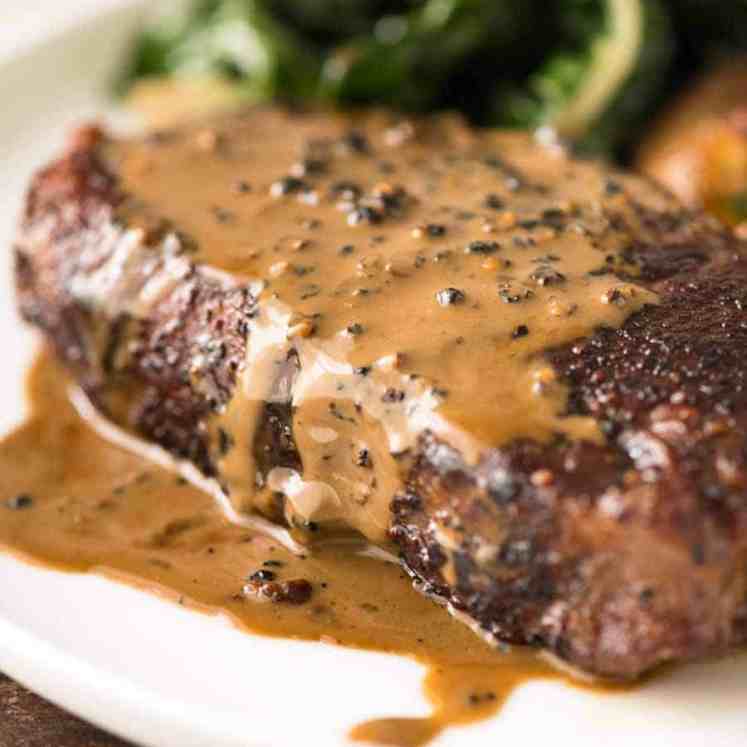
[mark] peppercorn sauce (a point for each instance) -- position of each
(409, 276)
(74, 501)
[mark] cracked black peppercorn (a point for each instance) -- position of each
(435, 230)
(363, 458)
(553, 217)
(308, 166)
(646, 595)
(287, 185)
(482, 247)
(363, 214)
(19, 502)
(225, 441)
(393, 395)
(547, 276)
(450, 296)
(297, 591)
(494, 202)
(612, 187)
(222, 215)
(477, 698)
(355, 141)
(262, 575)
(520, 331)
(529, 224)
(511, 293)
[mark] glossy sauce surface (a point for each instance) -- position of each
(409, 276)
(75, 502)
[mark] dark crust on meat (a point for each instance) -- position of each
(66, 233)
(614, 557)
(619, 557)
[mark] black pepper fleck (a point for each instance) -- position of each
(287, 185)
(482, 247)
(19, 502)
(553, 217)
(363, 214)
(225, 441)
(262, 575)
(355, 141)
(477, 698)
(547, 276)
(514, 296)
(393, 395)
(612, 187)
(222, 215)
(363, 458)
(308, 166)
(450, 296)
(529, 224)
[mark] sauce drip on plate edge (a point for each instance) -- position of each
(72, 501)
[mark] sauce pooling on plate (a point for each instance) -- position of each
(405, 276)
(73, 501)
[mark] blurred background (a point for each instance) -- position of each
(657, 84)
(24, 22)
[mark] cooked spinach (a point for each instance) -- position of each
(590, 68)
(611, 60)
(407, 59)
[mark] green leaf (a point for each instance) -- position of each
(408, 58)
(241, 39)
(610, 63)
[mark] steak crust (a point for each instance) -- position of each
(621, 557)
(68, 230)
(614, 557)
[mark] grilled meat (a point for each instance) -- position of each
(525, 370)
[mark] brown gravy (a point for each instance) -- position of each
(72, 501)
(408, 280)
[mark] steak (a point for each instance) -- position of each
(526, 370)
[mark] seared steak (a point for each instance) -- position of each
(526, 370)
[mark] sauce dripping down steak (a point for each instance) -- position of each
(524, 369)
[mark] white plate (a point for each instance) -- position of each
(159, 675)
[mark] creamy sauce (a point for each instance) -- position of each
(73, 501)
(409, 277)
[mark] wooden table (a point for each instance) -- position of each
(26, 720)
